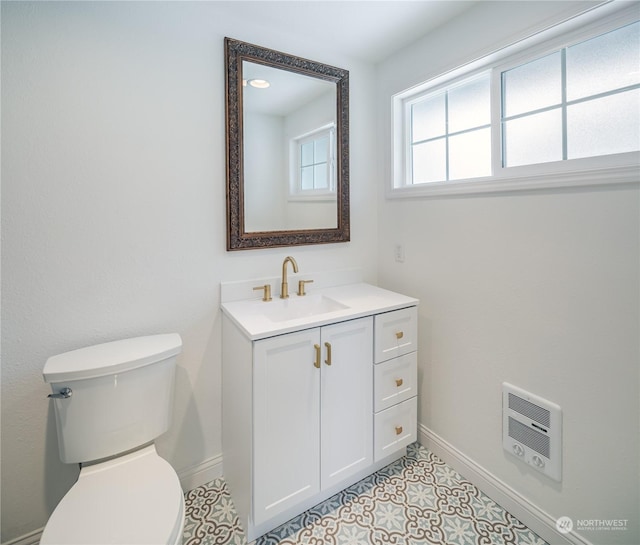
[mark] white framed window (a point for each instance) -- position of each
(313, 165)
(565, 103)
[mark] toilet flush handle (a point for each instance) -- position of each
(65, 393)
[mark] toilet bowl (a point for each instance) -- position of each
(111, 401)
(133, 499)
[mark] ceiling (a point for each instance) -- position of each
(368, 30)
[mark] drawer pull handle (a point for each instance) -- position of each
(398, 430)
(328, 360)
(399, 382)
(316, 363)
(399, 335)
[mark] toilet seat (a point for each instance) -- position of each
(134, 498)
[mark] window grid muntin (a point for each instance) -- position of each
(573, 102)
(446, 136)
(563, 90)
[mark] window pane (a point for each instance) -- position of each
(533, 139)
(608, 62)
(429, 162)
(306, 154)
(532, 86)
(306, 178)
(604, 126)
(470, 154)
(428, 118)
(320, 172)
(469, 105)
(322, 149)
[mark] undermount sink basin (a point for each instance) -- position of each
(282, 310)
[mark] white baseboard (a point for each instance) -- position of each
(190, 478)
(195, 476)
(539, 521)
(32, 538)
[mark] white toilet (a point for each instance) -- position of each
(111, 401)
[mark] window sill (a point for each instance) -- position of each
(610, 176)
(318, 197)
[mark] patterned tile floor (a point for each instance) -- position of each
(418, 500)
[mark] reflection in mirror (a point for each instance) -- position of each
(287, 149)
(289, 133)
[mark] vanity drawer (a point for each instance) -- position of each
(395, 333)
(395, 381)
(395, 428)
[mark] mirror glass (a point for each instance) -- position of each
(289, 136)
(287, 149)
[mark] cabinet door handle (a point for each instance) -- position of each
(399, 335)
(328, 360)
(398, 430)
(399, 382)
(316, 363)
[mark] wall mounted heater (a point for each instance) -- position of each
(532, 430)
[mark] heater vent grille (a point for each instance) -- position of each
(533, 439)
(530, 410)
(532, 430)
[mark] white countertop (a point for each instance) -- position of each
(252, 316)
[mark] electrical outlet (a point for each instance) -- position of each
(399, 253)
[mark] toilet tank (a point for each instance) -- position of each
(121, 395)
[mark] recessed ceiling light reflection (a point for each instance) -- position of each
(259, 83)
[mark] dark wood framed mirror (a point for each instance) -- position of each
(287, 149)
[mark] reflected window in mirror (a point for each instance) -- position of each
(313, 165)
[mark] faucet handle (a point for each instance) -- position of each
(301, 284)
(266, 295)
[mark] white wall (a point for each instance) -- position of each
(537, 289)
(113, 211)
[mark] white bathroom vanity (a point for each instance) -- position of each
(319, 391)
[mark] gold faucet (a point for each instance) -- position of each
(284, 291)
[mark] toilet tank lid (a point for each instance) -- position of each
(112, 357)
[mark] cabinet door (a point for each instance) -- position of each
(346, 399)
(286, 417)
